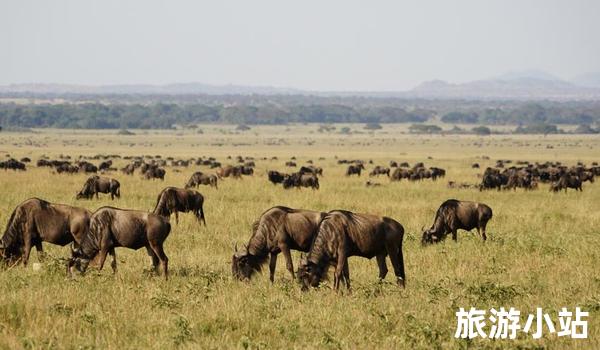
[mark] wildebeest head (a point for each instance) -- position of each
(430, 236)
(310, 274)
(244, 264)
(77, 260)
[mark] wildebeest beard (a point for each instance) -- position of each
(248, 261)
(313, 269)
(88, 248)
(11, 241)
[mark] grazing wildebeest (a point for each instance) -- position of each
(67, 168)
(567, 181)
(111, 228)
(301, 180)
(246, 170)
(290, 164)
(173, 200)
(154, 172)
(354, 169)
(12, 164)
(278, 230)
(198, 178)
(343, 234)
(311, 170)
(229, 170)
(275, 176)
(35, 221)
(96, 184)
(128, 169)
(105, 165)
(380, 170)
(454, 215)
(87, 167)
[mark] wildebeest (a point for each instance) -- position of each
(567, 181)
(173, 200)
(128, 169)
(105, 165)
(275, 176)
(246, 170)
(198, 178)
(343, 234)
(301, 180)
(154, 172)
(35, 221)
(290, 164)
(87, 167)
(454, 215)
(278, 230)
(380, 170)
(229, 170)
(311, 170)
(96, 184)
(12, 164)
(112, 227)
(355, 169)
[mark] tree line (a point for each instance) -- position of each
(281, 110)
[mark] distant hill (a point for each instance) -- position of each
(169, 89)
(590, 80)
(511, 87)
(521, 85)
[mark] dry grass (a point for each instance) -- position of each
(542, 251)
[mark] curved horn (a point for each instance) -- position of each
(235, 247)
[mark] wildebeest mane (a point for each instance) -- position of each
(165, 202)
(90, 243)
(447, 208)
(11, 236)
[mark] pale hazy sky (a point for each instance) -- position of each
(319, 45)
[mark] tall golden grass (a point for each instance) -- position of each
(542, 251)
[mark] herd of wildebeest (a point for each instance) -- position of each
(326, 239)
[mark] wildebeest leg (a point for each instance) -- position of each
(164, 261)
(454, 235)
(176, 217)
(26, 249)
(397, 258)
(103, 252)
(40, 251)
(113, 264)
(483, 233)
(383, 270)
(347, 275)
(339, 270)
(272, 265)
(288, 259)
(155, 260)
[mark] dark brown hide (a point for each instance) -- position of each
(279, 229)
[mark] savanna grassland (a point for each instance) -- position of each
(542, 250)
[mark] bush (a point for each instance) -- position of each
(424, 129)
(481, 130)
(539, 128)
(373, 126)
